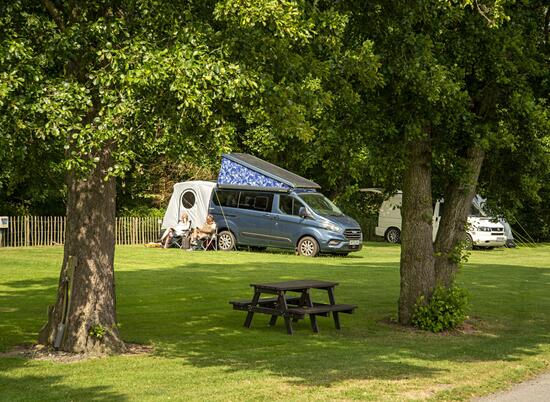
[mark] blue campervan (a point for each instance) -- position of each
(258, 204)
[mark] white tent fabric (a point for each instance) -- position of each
(479, 202)
(200, 192)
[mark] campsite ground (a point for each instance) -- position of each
(177, 302)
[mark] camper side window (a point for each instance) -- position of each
(289, 205)
(226, 198)
(256, 201)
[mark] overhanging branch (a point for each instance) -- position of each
(547, 27)
(54, 12)
(482, 10)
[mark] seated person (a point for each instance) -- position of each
(182, 228)
(206, 230)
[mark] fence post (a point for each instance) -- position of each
(11, 229)
(27, 231)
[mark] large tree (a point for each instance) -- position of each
(481, 77)
(462, 86)
(111, 82)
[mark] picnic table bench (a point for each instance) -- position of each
(290, 307)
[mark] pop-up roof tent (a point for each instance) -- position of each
(237, 171)
(246, 170)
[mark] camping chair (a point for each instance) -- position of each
(210, 242)
(182, 241)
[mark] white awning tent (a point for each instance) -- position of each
(192, 197)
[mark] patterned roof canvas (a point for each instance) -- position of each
(247, 170)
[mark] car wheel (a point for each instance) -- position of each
(393, 235)
(226, 241)
(307, 246)
(468, 242)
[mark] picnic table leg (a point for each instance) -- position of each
(288, 325)
(332, 301)
(273, 320)
(301, 303)
(284, 311)
(250, 314)
(312, 317)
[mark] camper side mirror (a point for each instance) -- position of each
(303, 213)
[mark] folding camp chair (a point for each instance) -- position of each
(210, 242)
(183, 241)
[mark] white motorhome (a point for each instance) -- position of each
(483, 231)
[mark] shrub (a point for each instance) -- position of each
(446, 309)
(97, 331)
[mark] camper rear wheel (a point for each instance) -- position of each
(308, 247)
(226, 241)
(393, 235)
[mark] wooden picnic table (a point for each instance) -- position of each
(292, 307)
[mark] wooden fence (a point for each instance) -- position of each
(25, 231)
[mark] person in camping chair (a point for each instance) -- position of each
(181, 229)
(206, 230)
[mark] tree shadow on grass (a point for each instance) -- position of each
(17, 387)
(184, 312)
(23, 309)
(210, 334)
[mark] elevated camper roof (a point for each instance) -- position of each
(240, 169)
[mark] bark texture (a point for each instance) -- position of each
(417, 259)
(89, 238)
(452, 228)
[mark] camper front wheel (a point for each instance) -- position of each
(468, 242)
(393, 235)
(226, 241)
(307, 246)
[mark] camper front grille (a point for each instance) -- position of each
(352, 234)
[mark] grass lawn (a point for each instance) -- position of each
(178, 303)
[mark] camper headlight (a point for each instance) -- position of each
(484, 229)
(332, 227)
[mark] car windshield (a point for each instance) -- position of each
(321, 204)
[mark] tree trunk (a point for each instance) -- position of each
(417, 259)
(91, 324)
(452, 228)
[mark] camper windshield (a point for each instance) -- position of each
(321, 204)
(475, 211)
